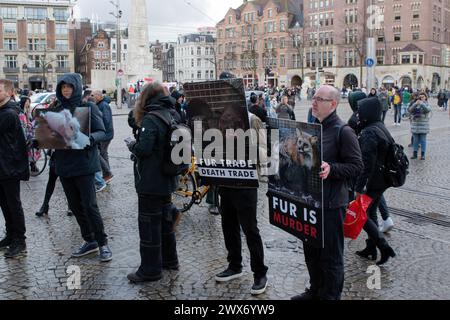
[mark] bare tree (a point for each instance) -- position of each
(297, 37)
(249, 56)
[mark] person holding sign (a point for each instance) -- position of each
(342, 162)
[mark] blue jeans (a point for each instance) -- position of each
(99, 181)
(398, 113)
(420, 139)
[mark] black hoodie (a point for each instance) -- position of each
(13, 150)
(74, 163)
(374, 142)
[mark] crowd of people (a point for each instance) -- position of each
(348, 170)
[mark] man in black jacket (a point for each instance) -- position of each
(76, 169)
(13, 169)
(256, 109)
(342, 161)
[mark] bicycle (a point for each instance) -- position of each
(38, 161)
(190, 189)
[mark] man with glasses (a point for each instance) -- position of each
(342, 162)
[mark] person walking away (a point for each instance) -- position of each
(154, 188)
(420, 124)
(342, 162)
(105, 109)
(374, 140)
(256, 109)
(13, 169)
(406, 98)
(441, 99)
(397, 102)
(76, 170)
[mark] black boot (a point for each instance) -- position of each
(370, 252)
(422, 156)
(43, 211)
(386, 252)
(414, 155)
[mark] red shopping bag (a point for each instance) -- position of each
(356, 216)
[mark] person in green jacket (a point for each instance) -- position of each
(406, 99)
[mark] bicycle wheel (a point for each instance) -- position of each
(39, 162)
(183, 197)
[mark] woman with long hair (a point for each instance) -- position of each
(157, 215)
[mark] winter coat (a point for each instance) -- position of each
(149, 150)
(384, 101)
(259, 112)
(420, 117)
(75, 163)
(13, 149)
(106, 111)
(374, 141)
(285, 112)
(343, 154)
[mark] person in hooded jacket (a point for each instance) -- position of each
(76, 170)
(154, 188)
(374, 141)
(13, 168)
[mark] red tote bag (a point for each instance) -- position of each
(356, 216)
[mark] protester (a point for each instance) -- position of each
(13, 169)
(256, 109)
(397, 102)
(420, 124)
(76, 169)
(373, 93)
(342, 161)
(384, 100)
(156, 213)
(406, 98)
(238, 207)
(374, 140)
(284, 110)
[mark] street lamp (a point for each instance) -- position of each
(118, 16)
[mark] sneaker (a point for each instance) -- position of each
(101, 188)
(228, 275)
(108, 179)
(387, 225)
(213, 210)
(85, 249)
(15, 250)
(5, 243)
(105, 254)
(259, 286)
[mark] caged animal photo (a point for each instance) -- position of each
(62, 130)
(298, 166)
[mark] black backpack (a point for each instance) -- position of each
(396, 164)
(173, 139)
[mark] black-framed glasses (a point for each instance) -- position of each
(319, 99)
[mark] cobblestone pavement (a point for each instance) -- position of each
(420, 270)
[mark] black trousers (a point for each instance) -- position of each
(326, 266)
(158, 246)
(80, 193)
(51, 184)
(238, 208)
(12, 210)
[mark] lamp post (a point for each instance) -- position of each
(118, 16)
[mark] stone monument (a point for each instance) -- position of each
(139, 60)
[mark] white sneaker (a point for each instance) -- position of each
(387, 225)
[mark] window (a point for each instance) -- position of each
(36, 44)
(415, 36)
(9, 27)
(114, 46)
(282, 61)
(199, 62)
(105, 54)
(397, 17)
(8, 13)
(100, 45)
(416, 15)
(61, 29)
(192, 62)
(380, 56)
(420, 59)
(36, 28)
(10, 44)
(282, 25)
(62, 62)
(199, 74)
(397, 37)
(35, 61)
(406, 59)
(380, 38)
(97, 54)
(199, 51)
(211, 74)
(11, 61)
(36, 13)
(125, 46)
(62, 45)
(269, 13)
(61, 14)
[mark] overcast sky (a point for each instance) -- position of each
(166, 18)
